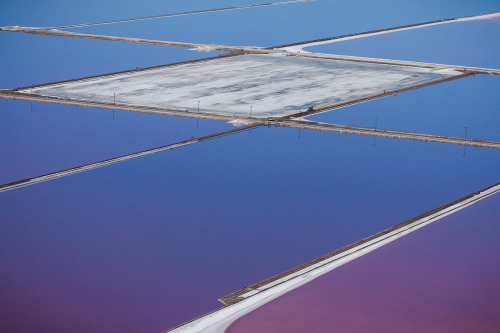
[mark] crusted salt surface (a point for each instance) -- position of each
(261, 84)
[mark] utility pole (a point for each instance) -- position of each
(31, 103)
(251, 108)
(375, 137)
(114, 98)
(465, 138)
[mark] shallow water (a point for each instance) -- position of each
(149, 244)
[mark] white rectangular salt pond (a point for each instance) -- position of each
(266, 85)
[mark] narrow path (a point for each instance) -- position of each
(247, 50)
(298, 46)
(92, 166)
(180, 14)
(244, 301)
(387, 133)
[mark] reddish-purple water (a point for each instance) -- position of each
(441, 278)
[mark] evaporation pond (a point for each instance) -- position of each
(267, 85)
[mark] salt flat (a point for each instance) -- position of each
(267, 85)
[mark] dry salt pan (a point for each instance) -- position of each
(265, 85)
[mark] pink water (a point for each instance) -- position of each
(442, 278)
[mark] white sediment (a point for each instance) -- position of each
(265, 85)
(220, 320)
(300, 48)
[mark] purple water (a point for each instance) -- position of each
(441, 278)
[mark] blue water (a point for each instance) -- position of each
(148, 244)
(445, 109)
